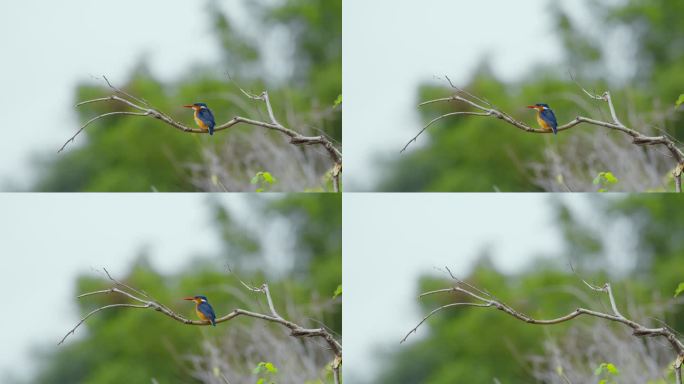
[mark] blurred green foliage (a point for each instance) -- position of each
(605, 180)
(465, 153)
(266, 372)
(607, 371)
(125, 153)
(136, 346)
(263, 181)
(474, 345)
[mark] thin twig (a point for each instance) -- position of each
(434, 311)
(436, 119)
(87, 123)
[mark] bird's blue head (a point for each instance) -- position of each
(197, 106)
(539, 107)
(198, 299)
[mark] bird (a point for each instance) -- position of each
(203, 309)
(203, 116)
(545, 117)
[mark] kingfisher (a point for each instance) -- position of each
(203, 116)
(203, 309)
(545, 117)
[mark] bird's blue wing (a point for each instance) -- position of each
(208, 118)
(208, 311)
(550, 119)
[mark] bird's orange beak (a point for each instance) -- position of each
(188, 106)
(532, 107)
(189, 298)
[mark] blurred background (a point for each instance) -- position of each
(171, 246)
(170, 53)
(520, 248)
(513, 54)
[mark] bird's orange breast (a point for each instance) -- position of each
(201, 315)
(541, 122)
(199, 122)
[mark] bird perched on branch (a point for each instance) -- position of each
(203, 309)
(203, 116)
(545, 117)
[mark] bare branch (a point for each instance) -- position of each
(73, 330)
(484, 101)
(147, 110)
(121, 92)
(415, 329)
(134, 294)
(638, 329)
(485, 108)
(436, 119)
(72, 138)
(591, 95)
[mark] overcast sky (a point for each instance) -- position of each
(49, 47)
(390, 47)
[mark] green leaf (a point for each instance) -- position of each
(338, 101)
(610, 178)
(260, 381)
(612, 369)
(256, 178)
(263, 367)
(679, 102)
(604, 180)
(598, 370)
(268, 177)
(603, 381)
(606, 367)
(338, 291)
(680, 289)
(271, 368)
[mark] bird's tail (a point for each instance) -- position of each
(213, 322)
(211, 130)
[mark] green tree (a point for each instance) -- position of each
(125, 153)
(138, 345)
(467, 153)
(466, 344)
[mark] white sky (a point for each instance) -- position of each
(49, 239)
(390, 240)
(390, 47)
(50, 46)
